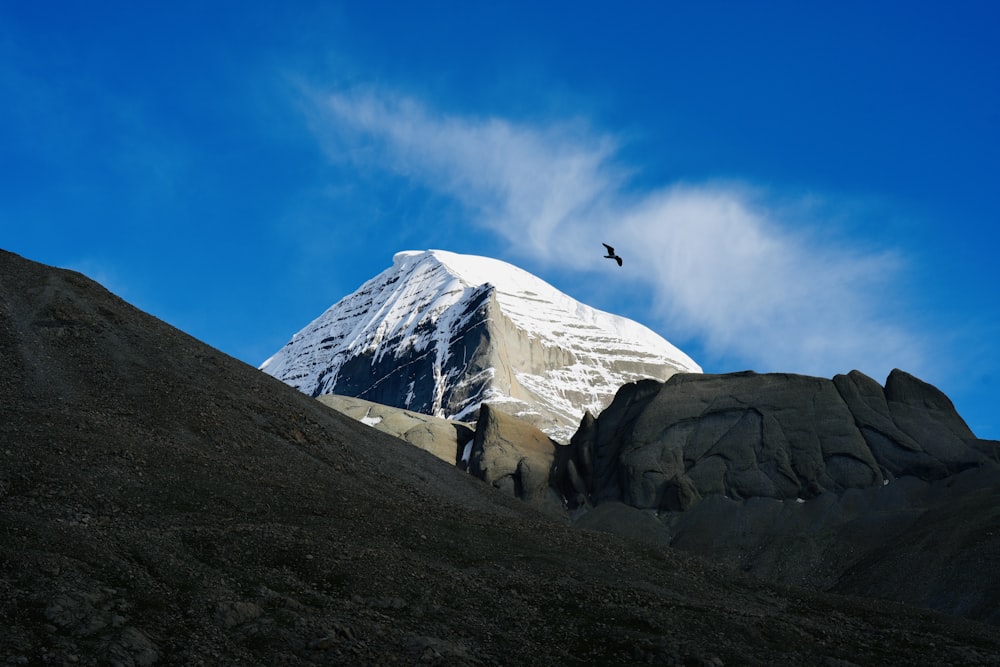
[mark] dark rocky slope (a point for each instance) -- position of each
(834, 484)
(162, 503)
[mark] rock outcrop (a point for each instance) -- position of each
(832, 484)
(506, 452)
(667, 445)
(440, 333)
(910, 426)
(514, 456)
(445, 439)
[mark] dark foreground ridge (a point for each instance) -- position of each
(162, 503)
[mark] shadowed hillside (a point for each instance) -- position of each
(162, 503)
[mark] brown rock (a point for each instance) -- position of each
(512, 454)
(444, 438)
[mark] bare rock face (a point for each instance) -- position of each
(928, 416)
(513, 456)
(911, 427)
(742, 435)
(445, 439)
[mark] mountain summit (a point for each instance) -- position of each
(440, 333)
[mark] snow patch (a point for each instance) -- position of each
(467, 452)
(369, 420)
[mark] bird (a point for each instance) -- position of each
(611, 254)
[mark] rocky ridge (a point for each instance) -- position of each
(667, 445)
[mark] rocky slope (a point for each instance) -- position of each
(164, 504)
(837, 484)
(440, 333)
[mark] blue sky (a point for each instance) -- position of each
(800, 187)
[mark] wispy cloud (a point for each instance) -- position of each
(757, 282)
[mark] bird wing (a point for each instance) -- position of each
(619, 260)
(611, 250)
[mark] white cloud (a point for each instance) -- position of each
(754, 281)
(525, 183)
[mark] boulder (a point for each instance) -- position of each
(444, 438)
(513, 455)
(666, 445)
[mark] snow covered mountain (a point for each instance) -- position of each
(440, 333)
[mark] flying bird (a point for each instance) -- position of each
(611, 254)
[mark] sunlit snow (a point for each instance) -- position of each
(418, 304)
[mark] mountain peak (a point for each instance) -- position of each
(477, 270)
(440, 333)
